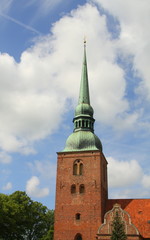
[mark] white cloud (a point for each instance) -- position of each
(5, 158)
(45, 169)
(134, 38)
(126, 179)
(123, 173)
(129, 193)
(146, 181)
(8, 186)
(33, 189)
(29, 110)
(45, 172)
(34, 92)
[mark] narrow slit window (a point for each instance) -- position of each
(83, 123)
(82, 188)
(75, 167)
(81, 169)
(78, 216)
(86, 124)
(73, 188)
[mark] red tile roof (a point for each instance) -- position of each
(139, 210)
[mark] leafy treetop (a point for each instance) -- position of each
(24, 219)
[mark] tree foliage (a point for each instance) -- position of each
(24, 219)
(118, 228)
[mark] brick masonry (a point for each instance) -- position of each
(91, 205)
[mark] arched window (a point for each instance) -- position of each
(78, 237)
(78, 167)
(78, 216)
(81, 169)
(81, 188)
(73, 188)
(75, 168)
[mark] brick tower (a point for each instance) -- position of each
(81, 189)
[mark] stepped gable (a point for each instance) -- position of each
(138, 209)
(105, 230)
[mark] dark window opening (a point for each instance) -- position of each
(78, 216)
(86, 124)
(73, 188)
(82, 188)
(75, 168)
(82, 123)
(78, 237)
(79, 124)
(81, 169)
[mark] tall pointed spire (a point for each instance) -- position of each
(84, 111)
(83, 137)
(84, 86)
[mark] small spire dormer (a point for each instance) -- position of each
(83, 137)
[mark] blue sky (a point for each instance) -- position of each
(41, 51)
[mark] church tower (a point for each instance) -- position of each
(81, 188)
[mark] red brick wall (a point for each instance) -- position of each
(91, 204)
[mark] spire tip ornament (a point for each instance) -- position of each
(84, 41)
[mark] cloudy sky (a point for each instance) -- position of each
(41, 51)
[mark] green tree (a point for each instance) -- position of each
(118, 228)
(23, 219)
(50, 233)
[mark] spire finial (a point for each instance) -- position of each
(84, 96)
(84, 41)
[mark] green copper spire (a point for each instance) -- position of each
(84, 108)
(84, 86)
(83, 137)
